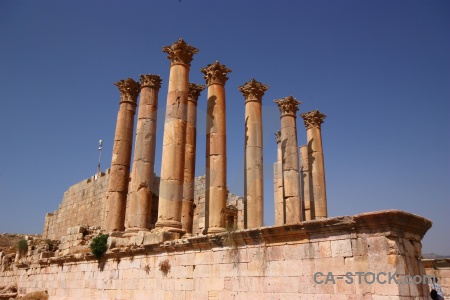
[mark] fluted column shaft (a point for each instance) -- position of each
(313, 121)
(278, 184)
(187, 209)
(291, 182)
(216, 157)
(172, 164)
(254, 179)
(140, 197)
(307, 200)
(121, 157)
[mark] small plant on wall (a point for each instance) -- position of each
(99, 245)
(164, 267)
(22, 246)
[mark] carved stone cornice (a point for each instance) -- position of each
(215, 73)
(253, 90)
(180, 52)
(152, 81)
(194, 91)
(278, 136)
(129, 90)
(313, 118)
(288, 105)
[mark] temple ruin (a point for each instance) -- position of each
(175, 236)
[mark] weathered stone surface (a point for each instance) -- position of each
(173, 153)
(313, 121)
(305, 178)
(216, 143)
(76, 230)
(288, 106)
(341, 248)
(268, 263)
(180, 52)
(140, 197)
(120, 165)
(84, 203)
(278, 194)
(187, 209)
(216, 158)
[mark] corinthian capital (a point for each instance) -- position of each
(253, 90)
(215, 73)
(313, 118)
(149, 80)
(129, 89)
(180, 52)
(288, 105)
(194, 91)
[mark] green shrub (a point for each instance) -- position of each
(50, 244)
(99, 245)
(22, 246)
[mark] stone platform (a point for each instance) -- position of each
(278, 262)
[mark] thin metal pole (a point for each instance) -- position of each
(99, 156)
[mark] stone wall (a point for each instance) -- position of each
(440, 268)
(83, 204)
(265, 263)
(234, 209)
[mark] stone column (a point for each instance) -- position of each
(187, 210)
(216, 157)
(253, 92)
(280, 218)
(140, 197)
(172, 165)
(288, 107)
(313, 121)
(305, 175)
(120, 165)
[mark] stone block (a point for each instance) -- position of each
(356, 264)
(281, 284)
(184, 284)
(256, 268)
(341, 248)
(185, 259)
(359, 247)
(291, 183)
(202, 271)
(330, 264)
(275, 253)
(325, 249)
(46, 254)
(377, 245)
(157, 238)
(293, 268)
(203, 258)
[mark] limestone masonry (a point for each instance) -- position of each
(174, 236)
(84, 202)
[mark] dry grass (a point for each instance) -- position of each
(8, 244)
(164, 267)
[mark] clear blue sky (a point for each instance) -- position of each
(380, 70)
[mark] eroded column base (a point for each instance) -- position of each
(169, 225)
(134, 231)
(214, 230)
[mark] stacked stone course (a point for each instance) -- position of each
(265, 263)
(82, 203)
